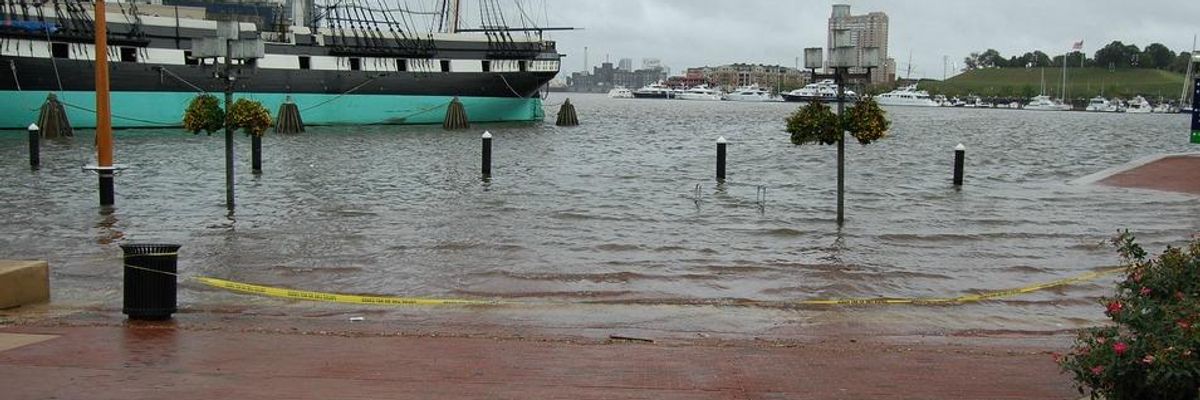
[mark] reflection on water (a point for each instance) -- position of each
(609, 210)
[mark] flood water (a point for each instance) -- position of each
(624, 210)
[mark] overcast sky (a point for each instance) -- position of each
(689, 33)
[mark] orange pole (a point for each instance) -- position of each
(104, 140)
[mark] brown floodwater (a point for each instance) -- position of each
(622, 210)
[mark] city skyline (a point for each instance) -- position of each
(762, 32)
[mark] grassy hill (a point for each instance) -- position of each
(1082, 83)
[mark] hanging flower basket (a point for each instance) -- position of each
(813, 123)
(204, 113)
(250, 116)
(866, 121)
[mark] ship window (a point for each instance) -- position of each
(355, 63)
(487, 66)
(402, 64)
(524, 66)
(128, 54)
(188, 59)
(305, 62)
(445, 65)
(60, 50)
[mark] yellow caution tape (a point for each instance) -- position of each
(970, 298)
(333, 297)
(423, 301)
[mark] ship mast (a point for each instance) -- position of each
(455, 7)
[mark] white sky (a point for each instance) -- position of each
(689, 33)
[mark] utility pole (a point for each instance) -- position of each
(104, 138)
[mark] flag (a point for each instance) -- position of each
(1077, 46)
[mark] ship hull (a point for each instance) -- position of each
(165, 109)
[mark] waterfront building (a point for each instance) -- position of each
(730, 76)
(605, 77)
(868, 30)
(626, 64)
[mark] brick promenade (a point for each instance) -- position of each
(168, 361)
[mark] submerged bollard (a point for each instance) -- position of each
(256, 153)
(150, 271)
(288, 119)
(53, 119)
(456, 116)
(566, 115)
(960, 155)
(487, 155)
(721, 159)
(35, 147)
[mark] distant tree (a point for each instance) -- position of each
(992, 58)
(1040, 59)
(1180, 63)
(1117, 54)
(1157, 56)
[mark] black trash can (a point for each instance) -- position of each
(150, 280)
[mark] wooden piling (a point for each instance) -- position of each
(566, 115)
(53, 119)
(288, 119)
(456, 116)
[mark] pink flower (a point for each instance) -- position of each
(1120, 348)
(1148, 359)
(1097, 370)
(1183, 324)
(1145, 291)
(1114, 307)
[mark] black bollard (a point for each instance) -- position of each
(721, 159)
(35, 147)
(960, 155)
(256, 153)
(150, 284)
(487, 155)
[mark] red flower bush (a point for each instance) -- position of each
(1148, 350)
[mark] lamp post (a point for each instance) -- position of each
(842, 57)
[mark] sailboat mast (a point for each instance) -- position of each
(1188, 76)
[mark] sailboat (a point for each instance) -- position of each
(1184, 105)
(1043, 102)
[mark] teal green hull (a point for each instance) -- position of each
(165, 109)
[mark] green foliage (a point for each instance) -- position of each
(866, 121)
(1082, 83)
(1152, 350)
(204, 113)
(814, 123)
(250, 116)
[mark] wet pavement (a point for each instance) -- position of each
(102, 357)
(1178, 173)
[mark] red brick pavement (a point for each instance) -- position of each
(169, 362)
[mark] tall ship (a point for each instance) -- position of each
(344, 62)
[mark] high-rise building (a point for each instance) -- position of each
(626, 64)
(869, 30)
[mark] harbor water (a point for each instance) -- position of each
(623, 211)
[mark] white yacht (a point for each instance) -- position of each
(906, 96)
(1138, 105)
(1164, 108)
(825, 90)
(654, 91)
(1101, 104)
(702, 92)
(750, 93)
(620, 92)
(1044, 103)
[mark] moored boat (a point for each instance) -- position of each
(654, 91)
(824, 91)
(367, 69)
(701, 92)
(906, 96)
(752, 93)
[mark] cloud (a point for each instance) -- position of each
(688, 33)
